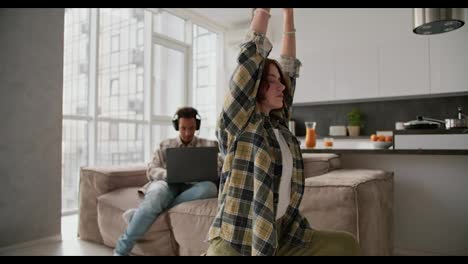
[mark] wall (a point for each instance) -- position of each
(378, 115)
(356, 54)
(31, 70)
(430, 198)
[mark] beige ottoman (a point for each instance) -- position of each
(357, 201)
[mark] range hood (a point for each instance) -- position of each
(428, 21)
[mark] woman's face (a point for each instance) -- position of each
(274, 94)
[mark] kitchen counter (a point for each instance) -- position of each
(389, 151)
(362, 145)
(430, 131)
(440, 139)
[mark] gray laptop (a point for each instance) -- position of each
(192, 164)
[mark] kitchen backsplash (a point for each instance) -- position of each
(378, 115)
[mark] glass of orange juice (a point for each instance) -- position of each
(310, 139)
(328, 142)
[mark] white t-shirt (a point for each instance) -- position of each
(285, 184)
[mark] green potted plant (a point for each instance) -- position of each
(354, 122)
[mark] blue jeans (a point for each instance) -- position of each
(159, 197)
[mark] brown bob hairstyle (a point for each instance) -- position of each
(264, 86)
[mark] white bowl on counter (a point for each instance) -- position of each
(381, 144)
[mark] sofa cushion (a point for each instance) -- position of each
(316, 164)
(157, 240)
(190, 222)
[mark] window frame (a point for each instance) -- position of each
(150, 38)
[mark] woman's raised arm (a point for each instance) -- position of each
(239, 103)
(289, 34)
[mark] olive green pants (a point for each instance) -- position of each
(324, 243)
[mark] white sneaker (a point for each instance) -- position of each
(127, 215)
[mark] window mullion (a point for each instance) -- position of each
(188, 76)
(189, 64)
(188, 32)
(220, 73)
(148, 84)
(93, 86)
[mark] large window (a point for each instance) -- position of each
(126, 71)
(120, 101)
(204, 77)
(75, 136)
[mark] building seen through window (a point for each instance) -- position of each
(126, 71)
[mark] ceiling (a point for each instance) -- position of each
(227, 17)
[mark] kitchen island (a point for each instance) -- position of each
(430, 194)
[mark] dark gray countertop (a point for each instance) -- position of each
(391, 151)
(430, 131)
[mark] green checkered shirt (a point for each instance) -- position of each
(252, 167)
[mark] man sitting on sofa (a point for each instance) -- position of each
(158, 194)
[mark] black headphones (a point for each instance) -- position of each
(189, 112)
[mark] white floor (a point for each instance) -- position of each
(69, 246)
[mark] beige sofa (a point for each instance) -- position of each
(357, 201)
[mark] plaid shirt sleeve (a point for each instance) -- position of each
(240, 101)
(290, 67)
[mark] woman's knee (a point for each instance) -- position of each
(351, 245)
(219, 247)
(334, 243)
(346, 244)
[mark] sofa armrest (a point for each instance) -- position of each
(96, 181)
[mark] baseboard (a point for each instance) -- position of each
(50, 239)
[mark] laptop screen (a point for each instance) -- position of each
(185, 165)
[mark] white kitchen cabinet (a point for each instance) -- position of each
(315, 42)
(316, 82)
(404, 65)
(356, 72)
(449, 61)
(403, 55)
(373, 54)
(339, 56)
